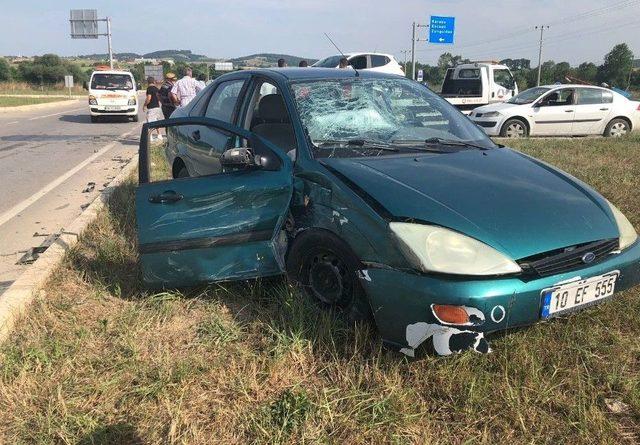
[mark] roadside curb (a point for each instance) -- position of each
(15, 301)
(44, 96)
(39, 106)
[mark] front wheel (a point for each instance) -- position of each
(514, 128)
(325, 268)
(617, 128)
(135, 118)
(94, 119)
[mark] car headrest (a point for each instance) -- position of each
(272, 108)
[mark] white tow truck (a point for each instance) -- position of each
(112, 93)
(471, 85)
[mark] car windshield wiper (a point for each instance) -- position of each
(364, 143)
(454, 143)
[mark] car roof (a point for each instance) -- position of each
(570, 85)
(295, 73)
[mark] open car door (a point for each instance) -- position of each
(218, 227)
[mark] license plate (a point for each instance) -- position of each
(566, 297)
(112, 108)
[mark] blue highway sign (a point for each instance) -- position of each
(441, 29)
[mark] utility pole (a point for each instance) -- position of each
(413, 48)
(406, 53)
(541, 28)
(109, 42)
(413, 53)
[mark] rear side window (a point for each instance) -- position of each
(591, 96)
(223, 100)
(359, 62)
(469, 74)
(378, 60)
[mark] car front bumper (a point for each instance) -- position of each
(490, 126)
(401, 302)
(124, 110)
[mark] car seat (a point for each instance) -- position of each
(275, 125)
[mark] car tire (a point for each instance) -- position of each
(95, 119)
(325, 268)
(514, 128)
(135, 118)
(182, 173)
(617, 128)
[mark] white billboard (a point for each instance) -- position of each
(84, 23)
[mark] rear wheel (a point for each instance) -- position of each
(135, 118)
(617, 128)
(514, 128)
(325, 268)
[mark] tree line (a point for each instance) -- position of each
(616, 70)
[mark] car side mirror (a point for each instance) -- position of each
(239, 158)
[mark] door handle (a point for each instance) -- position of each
(568, 111)
(166, 197)
(604, 109)
(196, 135)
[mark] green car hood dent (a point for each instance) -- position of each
(512, 202)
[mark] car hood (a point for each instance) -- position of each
(512, 202)
(499, 106)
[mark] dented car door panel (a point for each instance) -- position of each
(213, 228)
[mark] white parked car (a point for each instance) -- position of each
(385, 63)
(113, 93)
(560, 110)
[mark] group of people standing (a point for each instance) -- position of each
(344, 63)
(162, 101)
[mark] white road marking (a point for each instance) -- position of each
(14, 122)
(55, 114)
(15, 210)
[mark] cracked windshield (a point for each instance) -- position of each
(365, 115)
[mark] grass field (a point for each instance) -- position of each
(101, 361)
(28, 89)
(16, 101)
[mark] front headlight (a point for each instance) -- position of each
(92, 100)
(628, 234)
(132, 101)
(491, 114)
(436, 249)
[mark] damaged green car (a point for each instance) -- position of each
(381, 200)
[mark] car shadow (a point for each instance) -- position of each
(86, 119)
(119, 433)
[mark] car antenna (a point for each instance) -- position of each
(340, 51)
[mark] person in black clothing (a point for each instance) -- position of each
(303, 64)
(166, 98)
(152, 106)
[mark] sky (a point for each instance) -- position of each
(580, 30)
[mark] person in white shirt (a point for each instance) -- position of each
(186, 88)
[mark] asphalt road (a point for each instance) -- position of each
(48, 158)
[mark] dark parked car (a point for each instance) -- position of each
(381, 200)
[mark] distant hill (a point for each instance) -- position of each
(268, 59)
(184, 55)
(177, 55)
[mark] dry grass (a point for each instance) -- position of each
(101, 361)
(27, 88)
(16, 101)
